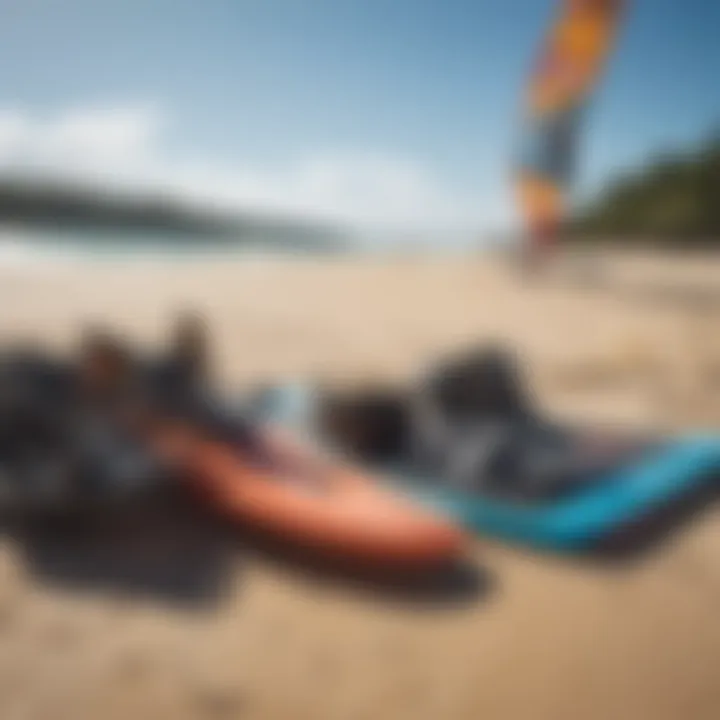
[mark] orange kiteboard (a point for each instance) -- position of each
(309, 500)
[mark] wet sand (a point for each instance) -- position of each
(183, 622)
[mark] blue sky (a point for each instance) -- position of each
(353, 99)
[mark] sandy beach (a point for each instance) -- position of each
(541, 637)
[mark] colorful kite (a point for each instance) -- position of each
(569, 66)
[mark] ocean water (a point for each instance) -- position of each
(20, 247)
(23, 248)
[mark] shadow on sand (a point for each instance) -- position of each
(648, 534)
(452, 584)
(168, 550)
(161, 549)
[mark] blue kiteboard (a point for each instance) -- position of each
(575, 521)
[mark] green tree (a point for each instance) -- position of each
(674, 199)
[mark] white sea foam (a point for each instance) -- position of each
(22, 250)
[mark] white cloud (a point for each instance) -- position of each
(103, 137)
(14, 131)
(121, 147)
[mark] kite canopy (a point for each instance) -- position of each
(569, 65)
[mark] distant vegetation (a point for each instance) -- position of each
(53, 205)
(675, 199)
